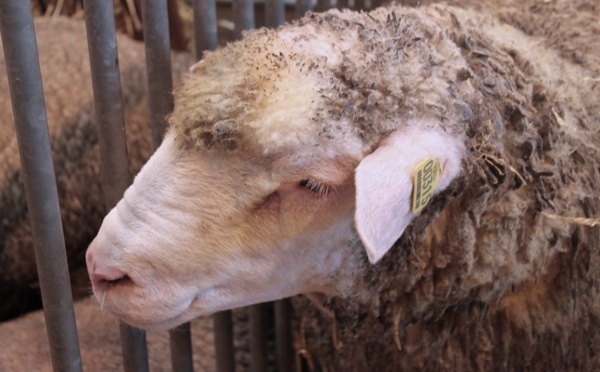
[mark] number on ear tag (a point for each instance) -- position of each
(425, 179)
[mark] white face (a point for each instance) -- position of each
(197, 233)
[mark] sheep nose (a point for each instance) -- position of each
(103, 277)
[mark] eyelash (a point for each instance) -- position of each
(316, 187)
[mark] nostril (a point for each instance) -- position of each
(100, 282)
(104, 277)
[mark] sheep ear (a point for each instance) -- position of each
(385, 202)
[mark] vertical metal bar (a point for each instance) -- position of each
(284, 353)
(376, 3)
(342, 4)
(303, 6)
(223, 328)
(323, 5)
(274, 13)
(133, 345)
(258, 336)
(160, 85)
(205, 38)
(205, 26)
(106, 81)
(243, 16)
(181, 348)
(158, 63)
(29, 109)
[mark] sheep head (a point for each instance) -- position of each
(284, 150)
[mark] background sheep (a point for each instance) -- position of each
(128, 17)
(69, 100)
(282, 144)
(24, 345)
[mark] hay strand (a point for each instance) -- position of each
(487, 157)
(397, 331)
(592, 222)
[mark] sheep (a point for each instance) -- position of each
(69, 101)
(24, 345)
(419, 169)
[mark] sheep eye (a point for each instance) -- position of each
(317, 187)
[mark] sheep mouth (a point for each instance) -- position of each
(190, 311)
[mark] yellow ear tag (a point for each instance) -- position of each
(425, 180)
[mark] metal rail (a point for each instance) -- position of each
(160, 87)
(29, 109)
(181, 348)
(205, 38)
(158, 64)
(303, 6)
(258, 336)
(224, 351)
(243, 16)
(205, 26)
(284, 353)
(274, 13)
(106, 81)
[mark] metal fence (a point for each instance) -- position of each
(20, 49)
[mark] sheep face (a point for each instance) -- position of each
(263, 187)
(200, 232)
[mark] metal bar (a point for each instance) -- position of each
(181, 348)
(133, 344)
(106, 81)
(274, 13)
(258, 336)
(223, 328)
(243, 16)
(158, 64)
(205, 26)
(303, 6)
(323, 5)
(205, 38)
(376, 3)
(343, 4)
(284, 353)
(29, 109)
(160, 85)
